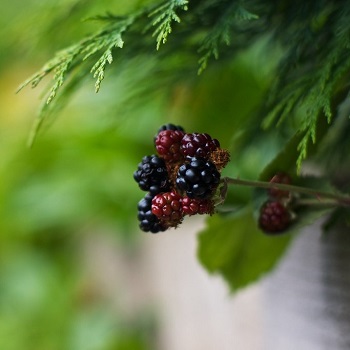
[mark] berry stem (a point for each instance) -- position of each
(320, 195)
(317, 202)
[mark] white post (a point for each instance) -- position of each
(307, 298)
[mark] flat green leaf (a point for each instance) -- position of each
(289, 158)
(235, 248)
(285, 161)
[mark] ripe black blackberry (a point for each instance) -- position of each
(274, 217)
(168, 208)
(168, 143)
(198, 145)
(152, 175)
(148, 222)
(198, 178)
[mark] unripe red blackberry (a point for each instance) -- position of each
(192, 206)
(168, 208)
(168, 143)
(198, 178)
(280, 178)
(198, 145)
(148, 221)
(274, 217)
(152, 175)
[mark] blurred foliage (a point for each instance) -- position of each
(76, 180)
(45, 304)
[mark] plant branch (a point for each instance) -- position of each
(320, 195)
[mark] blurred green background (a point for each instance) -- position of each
(76, 181)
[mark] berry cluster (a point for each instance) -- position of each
(275, 215)
(181, 179)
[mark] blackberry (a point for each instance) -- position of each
(198, 145)
(170, 127)
(198, 178)
(168, 143)
(192, 206)
(152, 175)
(168, 208)
(280, 178)
(148, 221)
(274, 217)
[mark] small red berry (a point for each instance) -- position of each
(168, 143)
(169, 126)
(274, 217)
(198, 145)
(168, 208)
(280, 178)
(192, 206)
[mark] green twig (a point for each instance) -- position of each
(338, 199)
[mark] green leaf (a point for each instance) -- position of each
(289, 158)
(285, 161)
(235, 248)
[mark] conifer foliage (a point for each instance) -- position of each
(314, 37)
